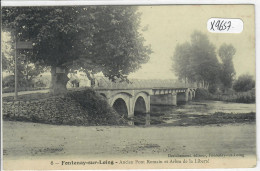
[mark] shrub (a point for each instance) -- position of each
(244, 83)
(238, 97)
(8, 81)
(230, 96)
(202, 94)
(40, 83)
(213, 88)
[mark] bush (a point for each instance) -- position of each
(244, 83)
(202, 94)
(238, 97)
(8, 81)
(246, 97)
(213, 88)
(40, 83)
(231, 96)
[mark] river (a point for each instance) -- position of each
(195, 110)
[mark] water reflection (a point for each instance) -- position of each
(142, 119)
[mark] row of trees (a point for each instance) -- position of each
(197, 62)
(92, 39)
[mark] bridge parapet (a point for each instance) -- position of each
(158, 91)
(159, 96)
(103, 82)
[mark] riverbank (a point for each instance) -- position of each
(36, 141)
(237, 97)
(218, 118)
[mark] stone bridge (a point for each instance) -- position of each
(129, 101)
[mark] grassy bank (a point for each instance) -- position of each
(237, 97)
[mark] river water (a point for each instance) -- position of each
(194, 109)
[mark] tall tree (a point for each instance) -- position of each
(91, 38)
(204, 59)
(182, 65)
(197, 60)
(226, 53)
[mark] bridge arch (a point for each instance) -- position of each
(139, 105)
(193, 94)
(122, 100)
(120, 107)
(141, 102)
(189, 95)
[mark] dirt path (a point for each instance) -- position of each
(31, 140)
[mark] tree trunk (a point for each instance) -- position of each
(59, 80)
(91, 79)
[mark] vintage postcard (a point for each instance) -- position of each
(128, 86)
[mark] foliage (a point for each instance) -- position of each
(181, 65)
(5, 62)
(202, 94)
(26, 71)
(92, 38)
(196, 61)
(244, 83)
(213, 88)
(237, 97)
(8, 81)
(226, 53)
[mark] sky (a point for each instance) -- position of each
(170, 25)
(173, 24)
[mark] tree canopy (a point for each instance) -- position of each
(92, 38)
(196, 61)
(244, 83)
(226, 53)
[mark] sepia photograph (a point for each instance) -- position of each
(128, 87)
